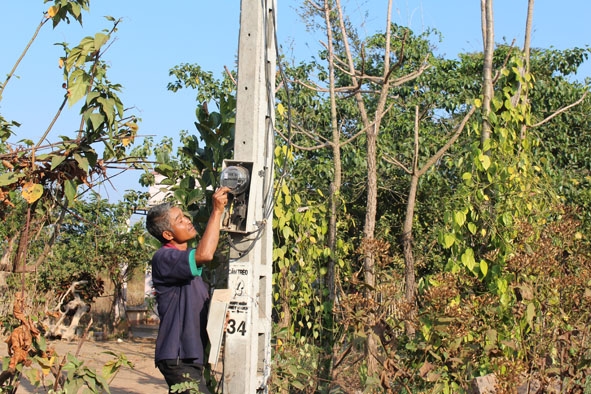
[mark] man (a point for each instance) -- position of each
(181, 294)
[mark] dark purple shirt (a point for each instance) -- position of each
(183, 301)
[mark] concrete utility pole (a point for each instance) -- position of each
(247, 347)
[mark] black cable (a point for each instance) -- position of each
(270, 192)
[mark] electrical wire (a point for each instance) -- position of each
(270, 191)
(288, 97)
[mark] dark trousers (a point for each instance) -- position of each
(173, 371)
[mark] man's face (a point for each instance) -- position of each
(181, 227)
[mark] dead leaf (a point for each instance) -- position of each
(425, 369)
(52, 11)
(32, 192)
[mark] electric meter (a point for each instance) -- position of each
(236, 178)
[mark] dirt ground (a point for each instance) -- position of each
(144, 378)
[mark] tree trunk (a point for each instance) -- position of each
(407, 238)
(20, 260)
(371, 206)
(528, 27)
(372, 130)
(56, 230)
(409, 260)
(5, 264)
(526, 55)
(335, 186)
(488, 38)
(369, 234)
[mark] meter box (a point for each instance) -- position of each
(236, 175)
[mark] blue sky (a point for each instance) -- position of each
(154, 37)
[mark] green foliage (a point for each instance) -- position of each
(96, 242)
(500, 186)
(63, 10)
(478, 318)
(76, 376)
(300, 260)
(40, 194)
(6, 130)
(79, 376)
(472, 213)
(504, 275)
(62, 375)
(564, 154)
(70, 163)
(95, 235)
(207, 87)
(300, 269)
(189, 386)
(295, 363)
(467, 332)
(195, 169)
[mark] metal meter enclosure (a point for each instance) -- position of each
(237, 176)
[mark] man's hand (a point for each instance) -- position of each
(220, 199)
(209, 241)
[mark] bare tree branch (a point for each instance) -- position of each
(229, 74)
(561, 110)
(394, 161)
(301, 147)
(11, 73)
(448, 144)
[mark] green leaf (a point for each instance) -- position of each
(287, 232)
(181, 195)
(96, 120)
(483, 267)
(448, 240)
(493, 117)
(195, 196)
(284, 189)
(82, 161)
(92, 96)
(104, 384)
(99, 40)
(297, 384)
(109, 151)
(530, 313)
(293, 369)
(34, 376)
(92, 157)
(507, 219)
(41, 343)
(484, 161)
(70, 190)
(56, 161)
(90, 382)
(459, 218)
(8, 178)
(76, 91)
(468, 259)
